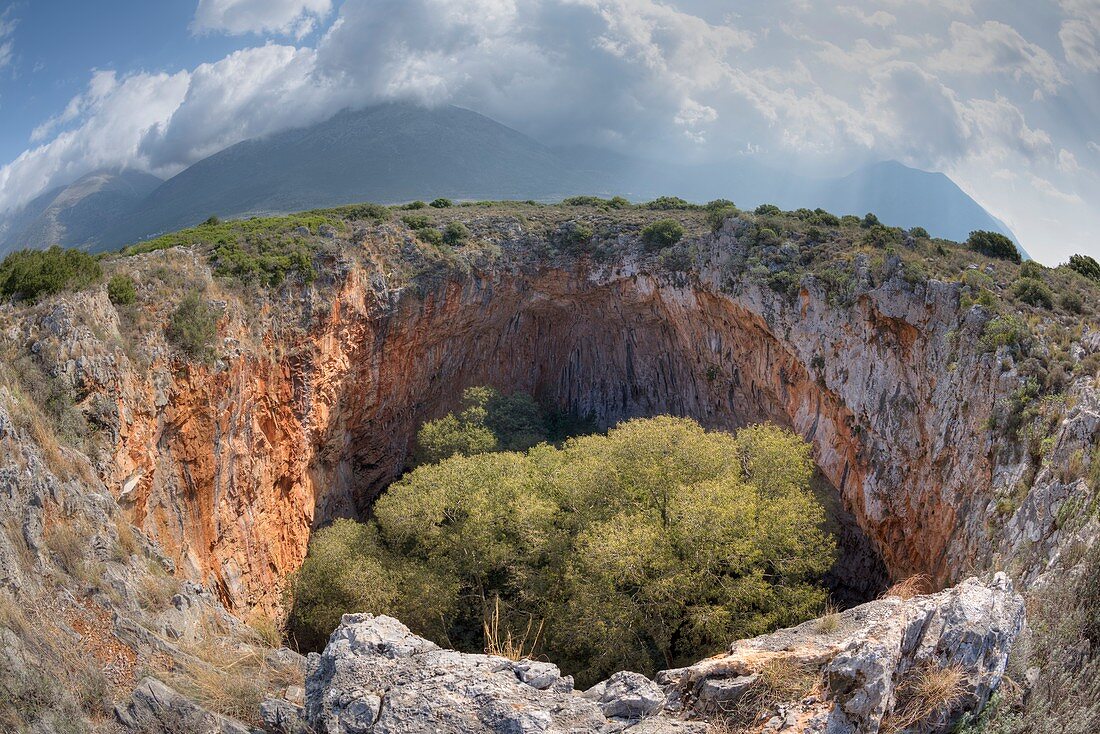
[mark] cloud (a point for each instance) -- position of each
(1067, 162)
(1080, 44)
(7, 32)
(994, 47)
(878, 18)
(1093, 146)
(285, 17)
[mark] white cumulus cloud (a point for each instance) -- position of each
(285, 17)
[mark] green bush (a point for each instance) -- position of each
(455, 233)
(212, 221)
(416, 221)
(870, 220)
(648, 547)
(993, 244)
(716, 217)
(430, 235)
(441, 203)
(415, 205)
(1086, 266)
(1032, 269)
(661, 234)
(849, 220)
(666, 203)
(120, 289)
(1033, 291)
(33, 274)
(919, 232)
(767, 210)
(193, 326)
(1004, 331)
(1072, 303)
(574, 236)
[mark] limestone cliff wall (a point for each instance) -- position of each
(229, 465)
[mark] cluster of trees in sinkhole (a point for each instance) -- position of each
(647, 547)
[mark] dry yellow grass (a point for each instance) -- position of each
(829, 621)
(916, 585)
(926, 695)
(505, 644)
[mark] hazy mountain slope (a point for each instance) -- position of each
(385, 154)
(76, 215)
(899, 195)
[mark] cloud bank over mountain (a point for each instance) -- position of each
(1004, 99)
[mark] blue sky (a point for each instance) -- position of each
(1002, 96)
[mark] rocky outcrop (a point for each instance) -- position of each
(889, 665)
(870, 669)
(377, 676)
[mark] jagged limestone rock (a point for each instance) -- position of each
(376, 676)
(154, 708)
(871, 657)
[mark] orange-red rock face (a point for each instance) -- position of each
(229, 468)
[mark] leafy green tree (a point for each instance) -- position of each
(647, 547)
(767, 210)
(661, 234)
(993, 244)
(487, 421)
(869, 221)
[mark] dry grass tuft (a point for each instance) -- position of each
(13, 617)
(916, 585)
(126, 544)
(229, 671)
(155, 591)
(503, 643)
(926, 695)
(829, 621)
(779, 680)
(66, 539)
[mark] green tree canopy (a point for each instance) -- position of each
(648, 547)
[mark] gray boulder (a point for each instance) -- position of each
(154, 708)
(376, 676)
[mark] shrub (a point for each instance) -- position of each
(455, 233)
(869, 220)
(415, 205)
(1033, 291)
(33, 274)
(882, 237)
(120, 289)
(661, 234)
(717, 217)
(416, 221)
(212, 221)
(666, 203)
(1086, 266)
(430, 235)
(1032, 269)
(652, 545)
(993, 244)
(849, 220)
(441, 203)
(717, 204)
(1004, 331)
(919, 232)
(573, 236)
(1072, 303)
(193, 326)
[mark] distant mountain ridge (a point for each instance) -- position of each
(77, 214)
(393, 153)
